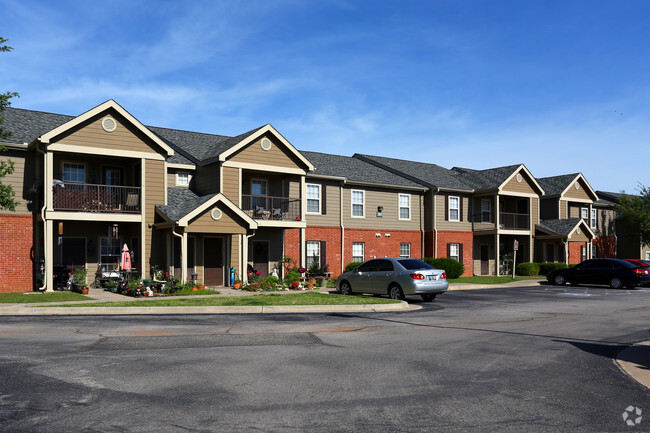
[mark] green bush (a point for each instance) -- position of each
(527, 269)
(453, 268)
(352, 265)
(546, 267)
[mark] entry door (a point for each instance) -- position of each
(74, 252)
(213, 261)
(485, 260)
(261, 258)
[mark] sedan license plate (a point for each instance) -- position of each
(432, 277)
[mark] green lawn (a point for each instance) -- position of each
(253, 300)
(35, 297)
(491, 279)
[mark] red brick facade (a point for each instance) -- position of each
(332, 238)
(382, 246)
(466, 239)
(16, 237)
(575, 252)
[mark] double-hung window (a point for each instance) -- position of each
(454, 208)
(358, 203)
(74, 172)
(313, 253)
(358, 252)
(454, 251)
(182, 178)
(405, 250)
(594, 218)
(584, 213)
(313, 198)
(405, 206)
(486, 211)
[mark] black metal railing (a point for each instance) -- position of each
(514, 221)
(271, 208)
(84, 197)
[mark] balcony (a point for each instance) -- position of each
(265, 207)
(84, 197)
(514, 221)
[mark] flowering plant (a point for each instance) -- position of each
(302, 270)
(295, 285)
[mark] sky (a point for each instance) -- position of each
(561, 86)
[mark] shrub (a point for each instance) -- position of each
(452, 267)
(527, 269)
(546, 267)
(352, 265)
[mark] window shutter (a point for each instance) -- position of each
(323, 253)
(448, 250)
(460, 253)
(446, 211)
(323, 201)
(460, 211)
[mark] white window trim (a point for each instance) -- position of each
(583, 211)
(363, 204)
(189, 178)
(400, 249)
(63, 163)
(363, 250)
(308, 256)
(320, 196)
(399, 207)
(594, 219)
(450, 208)
(457, 256)
(266, 186)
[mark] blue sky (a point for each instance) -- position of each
(561, 86)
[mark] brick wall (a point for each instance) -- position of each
(332, 238)
(16, 234)
(292, 244)
(382, 246)
(466, 239)
(575, 253)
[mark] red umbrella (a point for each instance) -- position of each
(125, 265)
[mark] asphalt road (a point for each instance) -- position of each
(535, 359)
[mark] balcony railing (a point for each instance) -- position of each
(514, 221)
(271, 208)
(84, 197)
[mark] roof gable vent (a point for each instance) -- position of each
(109, 124)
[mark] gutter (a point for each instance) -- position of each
(44, 287)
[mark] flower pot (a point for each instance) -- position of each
(312, 281)
(83, 290)
(236, 285)
(310, 286)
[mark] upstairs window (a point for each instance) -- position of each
(594, 218)
(486, 211)
(454, 208)
(584, 213)
(74, 172)
(405, 206)
(182, 178)
(358, 203)
(313, 198)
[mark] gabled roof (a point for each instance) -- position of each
(427, 174)
(355, 170)
(556, 186)
(493, 178)
(564, 227)
(183, 205)
(27, 125)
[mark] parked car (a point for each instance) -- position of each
(395, 277)
(614, 272)
(640, 263)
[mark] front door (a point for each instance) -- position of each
(261, 257)
(213, 261)
(73, 252)
(485, 260)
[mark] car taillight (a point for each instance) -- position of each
(417, 276)
(641, 271)
(443, 276)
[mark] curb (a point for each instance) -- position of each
(635, 362)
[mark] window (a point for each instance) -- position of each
(594, 219)
(358, 203)
(647, 255)
(454, 208)
(405, 206)
(313, 253)
(358, 251)
(74, 172)
(584, 213)
(405, 250)
(109, 252)
(486, 211)
(453, 251)
(313, 198)
(182, 178)
(583, 253)
(259, 191)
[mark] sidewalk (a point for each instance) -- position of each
(635, 361)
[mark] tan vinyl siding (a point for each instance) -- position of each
(331, 217)
(231, 184)
(534, 211)
(563, 210)
(229, 223)
(525, 186)
(582, 237)
(277, 156)
(125, 137)
(580, 193)
(234, 254)
(154, 191)
(207, 179)
(389, 200)
(461, 226)
(17, 181)
(172, 178)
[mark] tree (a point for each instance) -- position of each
(635, 212)
(7, 194)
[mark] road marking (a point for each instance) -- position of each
(577, 294)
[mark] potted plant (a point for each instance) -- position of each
(236, 284)
(79, 280)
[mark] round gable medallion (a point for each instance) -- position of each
(216, 214)
(577, 185)
(577, 230)
(519, 178)
(265, 144)
(109, 124)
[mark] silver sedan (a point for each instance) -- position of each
(395, 277)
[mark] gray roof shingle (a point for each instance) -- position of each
(561, 227)
(181, 201)
(555, 185)
(486, 179)
(27, 125)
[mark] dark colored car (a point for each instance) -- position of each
(640, 263)
(613, 272)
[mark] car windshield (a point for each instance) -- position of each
(413, 264)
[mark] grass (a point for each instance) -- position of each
(491, 279)
(35, 297)
(254, 300)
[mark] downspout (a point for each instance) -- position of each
(435, 225)
(42, 152)
(179, 236)
(342, 228)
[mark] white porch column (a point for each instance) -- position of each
(184, 257)
(48, 256)
(497, 252)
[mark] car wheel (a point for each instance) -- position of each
(616, 283)
(395, 292)
(560, 280)
(346, 289)
(428, 297)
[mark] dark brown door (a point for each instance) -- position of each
(261, 258)
(213, 261)
(74, 252)
(485, 260)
